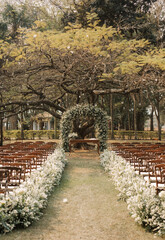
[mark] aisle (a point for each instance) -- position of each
(85, 206)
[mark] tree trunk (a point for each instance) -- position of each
(158, 120)
(1, 125)
(156, 107)
(7, 124)
(112, 116)
(55, 128)
(152, 120)
(13, 122)
(1, 131)
(128, 114)
(83, 130)
(140, 119)
(135, 113)
(78, 98)
(22, 126)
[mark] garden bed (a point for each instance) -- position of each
(147, 208)
(25, 204)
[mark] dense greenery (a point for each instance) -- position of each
(30, 134)
(135, 19)
(50, 134)
(48, 69)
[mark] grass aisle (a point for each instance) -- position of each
(92, 212)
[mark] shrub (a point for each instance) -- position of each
(24, 205)
(147, 208)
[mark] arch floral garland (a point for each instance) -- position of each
(99, 116)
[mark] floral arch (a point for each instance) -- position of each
(100, 118)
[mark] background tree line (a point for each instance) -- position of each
(109, 53)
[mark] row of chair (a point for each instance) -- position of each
(148, 159)
(18, 160)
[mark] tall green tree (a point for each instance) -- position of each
(130, 17)
(47, 67)
(12, 18)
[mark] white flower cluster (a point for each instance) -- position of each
(147, 208)
(24, 204)
(72, 135)
(77, 111)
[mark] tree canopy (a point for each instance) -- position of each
(45, 65)
(42, 67)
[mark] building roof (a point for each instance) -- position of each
(44, 115)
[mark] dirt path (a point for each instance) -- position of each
(92, 212)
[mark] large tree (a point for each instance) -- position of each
(43, 68)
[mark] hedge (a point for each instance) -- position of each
(141, 135)
(50, 134)
(30, 134)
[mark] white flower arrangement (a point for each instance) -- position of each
(147, 208)
(72, 135)
(101, 123)
(24, 205)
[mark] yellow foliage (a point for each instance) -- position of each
(127, 56)
(39, 25)
(129, 67)
(154, 58)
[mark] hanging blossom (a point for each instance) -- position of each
(147, 208)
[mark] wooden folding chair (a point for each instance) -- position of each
(4, 179)
(160, 177)
(14, 175)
